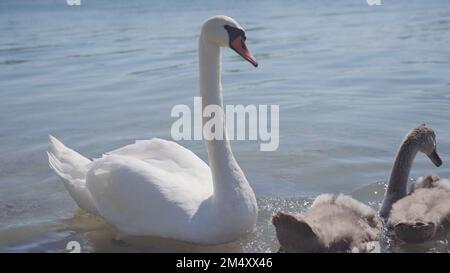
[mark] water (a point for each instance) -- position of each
(350, 79)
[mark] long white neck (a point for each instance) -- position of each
(226, 173)
(399, 175)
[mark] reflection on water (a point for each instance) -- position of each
(350, 79)
(95, 235)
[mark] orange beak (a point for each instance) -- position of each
(238, 45)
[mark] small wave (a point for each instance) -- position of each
(152, 70)
(25, 48)
(118, 52)
(11, 62)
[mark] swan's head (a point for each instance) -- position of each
(427, 181)
(425, 137)
(224, 31)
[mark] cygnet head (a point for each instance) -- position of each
(224, 31)
(427, 181)
(425, 138)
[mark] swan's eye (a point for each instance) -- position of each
(234, 33)
(243, 45)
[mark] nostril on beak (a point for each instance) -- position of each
(420, 224)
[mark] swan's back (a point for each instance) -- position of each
(164, 154)
(332, 224)
(425, 213)
(151, 187)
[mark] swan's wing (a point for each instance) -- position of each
(351, 205)
(150, 187)
(423, 205)
(340, 229)
(420, 216)
(164, 154)
(146, 196)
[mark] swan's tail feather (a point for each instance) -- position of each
(67, 160)
(71, 167)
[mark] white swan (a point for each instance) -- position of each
(159, 188)
(332, 224)
(424, 213)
